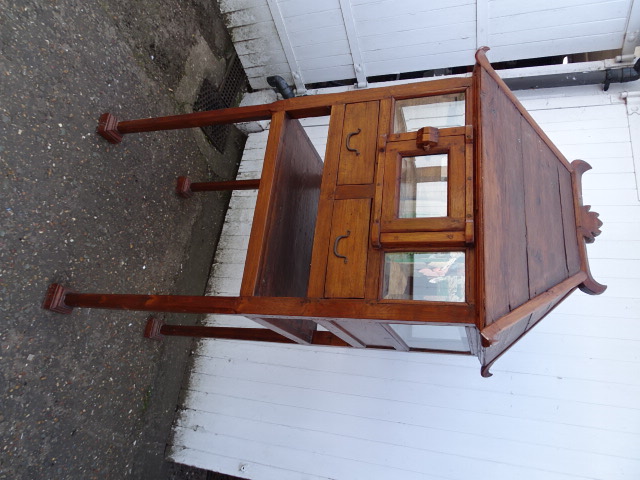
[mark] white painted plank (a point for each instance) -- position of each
(322, 48)
(395, 445)
(254, 31)
(327, 18)
(379, 380)
(632, 30)
(608, 181)
(294, 8)
(616, 268)
(227, 6)
(616, 308)
(230, 465)
(333, 32)
(342, 409)
(508, 8)
(594, 325)
(577, 345)
(545, 48)
(616, 249)
(609, 27)
(599, 136)
(442, 12)
(331, 73)
(423, 38)
(270, 452)
(265, 56)
(579, 125)
(423, 62)
(431, 370)
(616, 198)
(558, 16)
(416, 21)
(217, 320)
(248, 16)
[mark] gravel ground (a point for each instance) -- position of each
(84, 396)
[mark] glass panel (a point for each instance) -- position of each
(439, 111)
(423, 186)
(432, 276)
(437, 337)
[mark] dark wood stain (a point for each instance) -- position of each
(320, 233)
(546, 256)
(287, 256)
(504, 229)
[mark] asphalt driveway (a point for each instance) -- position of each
(85, 396)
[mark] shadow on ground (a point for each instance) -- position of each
(84, 396)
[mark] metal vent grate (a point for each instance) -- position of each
(210, 98)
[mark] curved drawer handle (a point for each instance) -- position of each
(335, 245)
(349, 140)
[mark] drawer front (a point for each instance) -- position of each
(347, 256)
(358, 151)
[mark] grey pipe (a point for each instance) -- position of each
(281, 85)
(605, 77)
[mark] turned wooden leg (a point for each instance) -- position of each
(54, 299)
(108, 128)
(61, 300)
(156, 329)
(185, 188)
(112, 129)
(153, 328)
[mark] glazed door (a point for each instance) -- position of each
(426, 192)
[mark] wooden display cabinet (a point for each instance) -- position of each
(442, 219)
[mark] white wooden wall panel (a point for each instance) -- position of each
(563, 404)
(396, 36)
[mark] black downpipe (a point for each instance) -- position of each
(605, 77)
(281, 85)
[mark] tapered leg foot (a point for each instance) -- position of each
(183, 188)
(108, 128)
(54, 300)
(152, 330)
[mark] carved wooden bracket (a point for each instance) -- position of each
(589, 224)
(427, 137)
(588, 227)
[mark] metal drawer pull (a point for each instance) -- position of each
(335, 245)
(349, 140)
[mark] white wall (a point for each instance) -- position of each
(563, 404)
(323, 40)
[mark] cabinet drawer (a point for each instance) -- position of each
(347, 255)
(358, 151)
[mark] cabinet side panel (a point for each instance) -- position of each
(286, 258)
(503, 200)
(546, 256)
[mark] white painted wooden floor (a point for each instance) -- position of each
(564, 404)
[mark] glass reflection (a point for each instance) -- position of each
(428, 276)
(439, 111)
(423, 186)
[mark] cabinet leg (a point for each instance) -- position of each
(153, 328)
(108, 128)
(54, 300)
(61, 300)
(156, 329)
(185, 188)
(112, 129)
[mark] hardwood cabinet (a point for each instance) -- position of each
(442, 219)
